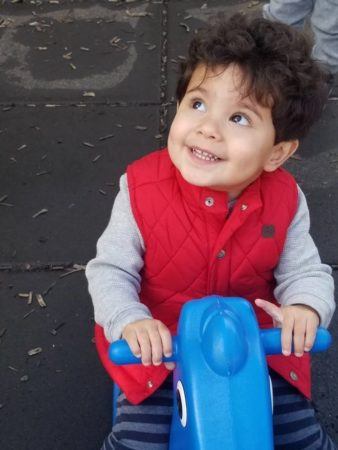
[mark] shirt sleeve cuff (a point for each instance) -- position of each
(113, 329)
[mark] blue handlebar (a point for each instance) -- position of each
(271, 340)
(120, 353)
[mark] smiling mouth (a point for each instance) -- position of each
(203, 154)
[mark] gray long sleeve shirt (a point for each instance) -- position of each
(114, 274)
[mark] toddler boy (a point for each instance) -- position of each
(214, 213)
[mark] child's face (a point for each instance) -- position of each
(219, 139)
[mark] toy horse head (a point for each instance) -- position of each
(222, 390)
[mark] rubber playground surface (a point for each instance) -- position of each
(87, 87)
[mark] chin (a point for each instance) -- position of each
(194, 179)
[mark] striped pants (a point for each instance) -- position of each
(146, 426)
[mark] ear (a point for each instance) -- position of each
(280, 153)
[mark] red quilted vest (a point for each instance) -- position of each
(195, 247)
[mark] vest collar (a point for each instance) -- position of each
(217, 202)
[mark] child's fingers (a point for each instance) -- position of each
(271, 309)
(311, 330)
(286, 339)
(132, 341)
(166, 339)
(145, 345)
(170, 365)
(166, 345)
(156, 346)
(149, 339)
(299, 331)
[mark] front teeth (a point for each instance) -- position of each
(204, 155)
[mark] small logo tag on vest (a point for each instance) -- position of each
(268, 231)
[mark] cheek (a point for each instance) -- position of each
(179, 128)
(173, 142)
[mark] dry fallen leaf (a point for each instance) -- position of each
(184, 25)
(5, 22)
(34, 351)
(137, 14)
(150, 46)
(57, 328)
(108, 136)
(67, 55)
(41, 301)
(6, 204)
(70, 273)
(39, 213)
(49, 288)
(88, 94)
(117, 42)
(43, 172)
(88, 144)
(28, 314)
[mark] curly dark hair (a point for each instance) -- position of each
(277, 67)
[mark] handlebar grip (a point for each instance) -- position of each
(120, 353)
(271, 340)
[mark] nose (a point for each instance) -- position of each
(209, 127)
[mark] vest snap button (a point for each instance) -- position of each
(244, 207)
(221, 254)
(209, 201)
(150, 384)
(293, 376)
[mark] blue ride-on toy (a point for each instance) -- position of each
(223, 393)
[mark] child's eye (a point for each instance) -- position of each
(200, 106)
(240, 119)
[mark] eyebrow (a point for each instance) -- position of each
(241, 103)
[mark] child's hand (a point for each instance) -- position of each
(297, 321)
(149, 339)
